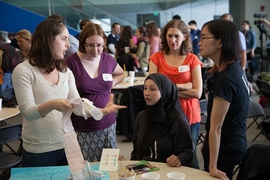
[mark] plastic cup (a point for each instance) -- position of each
(131, 81)
(127, 178)
(176, 176)
(131, 73)
(150, 176)
(127, 49)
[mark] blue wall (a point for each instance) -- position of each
(14, 19)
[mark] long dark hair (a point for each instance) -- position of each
(228, 34)
(151, 29)
(41, 52)
(248, 23)
(142, 30)
(126, 35)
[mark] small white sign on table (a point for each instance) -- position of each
(109, 160)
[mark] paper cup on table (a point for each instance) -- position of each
(1, 103)
(127, 49)
(176, 176)
(127, 178)
(131, 73)
(150, 176)
(131, 81)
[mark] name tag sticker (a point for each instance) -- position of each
(184, 68)
(66, 84)
(107, 77)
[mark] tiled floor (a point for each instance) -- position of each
(126, 147)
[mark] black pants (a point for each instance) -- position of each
(226, 160)
(250, 63)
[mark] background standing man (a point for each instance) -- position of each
(113, 38)
(195, 37)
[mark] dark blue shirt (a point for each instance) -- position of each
(195, 38)
(112, 39)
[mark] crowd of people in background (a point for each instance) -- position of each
(153, 38)
(55, 66)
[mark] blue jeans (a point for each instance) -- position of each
(7, 83)
(52, 158)
(194, 130)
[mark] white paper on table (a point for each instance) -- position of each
(109, 160)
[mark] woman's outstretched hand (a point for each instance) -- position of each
(111, 107)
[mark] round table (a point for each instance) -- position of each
(191, 173)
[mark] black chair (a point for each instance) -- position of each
(256, 164)
(10, 133)
(203, 119)
(202, 131)
(201, 134)
(134, 100)
(203, 106)
(264, 88)
(266, 129)
(255, 112)
(8, 98)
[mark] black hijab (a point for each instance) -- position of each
(162, 115)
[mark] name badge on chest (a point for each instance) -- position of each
(183, 68)
(107, 77)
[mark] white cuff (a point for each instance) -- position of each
(95, 112)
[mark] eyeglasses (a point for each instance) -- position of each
(92, 46)
(203, 38)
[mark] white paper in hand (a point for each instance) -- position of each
(95, 112)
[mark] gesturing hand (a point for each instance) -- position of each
(110, 107)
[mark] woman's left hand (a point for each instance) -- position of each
(184, 87)
(173, 161)
(218, 174)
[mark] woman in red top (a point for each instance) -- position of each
(183, 68)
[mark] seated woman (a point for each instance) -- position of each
(162, 131)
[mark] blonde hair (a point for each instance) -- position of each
(25, 34)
